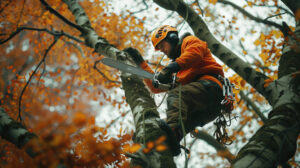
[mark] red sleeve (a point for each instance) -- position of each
(192, 51)
(148, 82)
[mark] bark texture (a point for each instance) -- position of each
(275, 142)
(146, 117)
(146, 122)
(14, 132)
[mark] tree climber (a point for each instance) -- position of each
(197, 72)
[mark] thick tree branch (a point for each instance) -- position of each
(14, 132)
(292, 4)
(222, 151)
(249, 15)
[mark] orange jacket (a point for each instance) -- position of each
(195, 60)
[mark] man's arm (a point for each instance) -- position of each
(193, 51)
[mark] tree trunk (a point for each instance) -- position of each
(146, 117)
(275, 142)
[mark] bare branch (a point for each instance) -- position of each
(146, 8)
(211, 141)
(4, 6)
(243, 11)
(53, 11)
(54, 33)
(33, 73)
(253, 106)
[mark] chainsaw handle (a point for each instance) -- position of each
(163, 86)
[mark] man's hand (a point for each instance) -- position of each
(135, 55)
(165, 76)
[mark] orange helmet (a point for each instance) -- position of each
(161, 33)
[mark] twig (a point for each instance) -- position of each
(280, 7)
(4, 6)
(139, 11)
(95, 67)
(254, 107)
(274, 16)
(31, 76)
(202, 11)
(54, 33)
(53, 11)
(257, 19)
(116, 119)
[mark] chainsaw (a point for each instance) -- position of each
(140, 72)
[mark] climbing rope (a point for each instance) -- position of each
(226, 108)
(182, 125)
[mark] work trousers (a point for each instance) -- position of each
(200, 104)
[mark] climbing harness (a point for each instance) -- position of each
(226, 109)
(228, 94)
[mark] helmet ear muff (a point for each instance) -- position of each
(173, 38)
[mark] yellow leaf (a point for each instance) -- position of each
(267, 82)
(131, 148)
(263, 56)
(249, 3)
(257, 42)
(276, 33)
(262, 37)
(160, 140)
(213, 1)
(242, 39)
(161, 148)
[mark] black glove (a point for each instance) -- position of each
(165, 76)
(135, 55)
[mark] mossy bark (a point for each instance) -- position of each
(146, 121)
(14, 132)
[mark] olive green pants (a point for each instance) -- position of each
(200, 104)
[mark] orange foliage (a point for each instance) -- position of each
(56, 105)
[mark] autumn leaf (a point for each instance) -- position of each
(160, 140)
(79, 119)
(213, 1)
(267, 82)
(161, 148)
(131, 148)
(257, 42)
